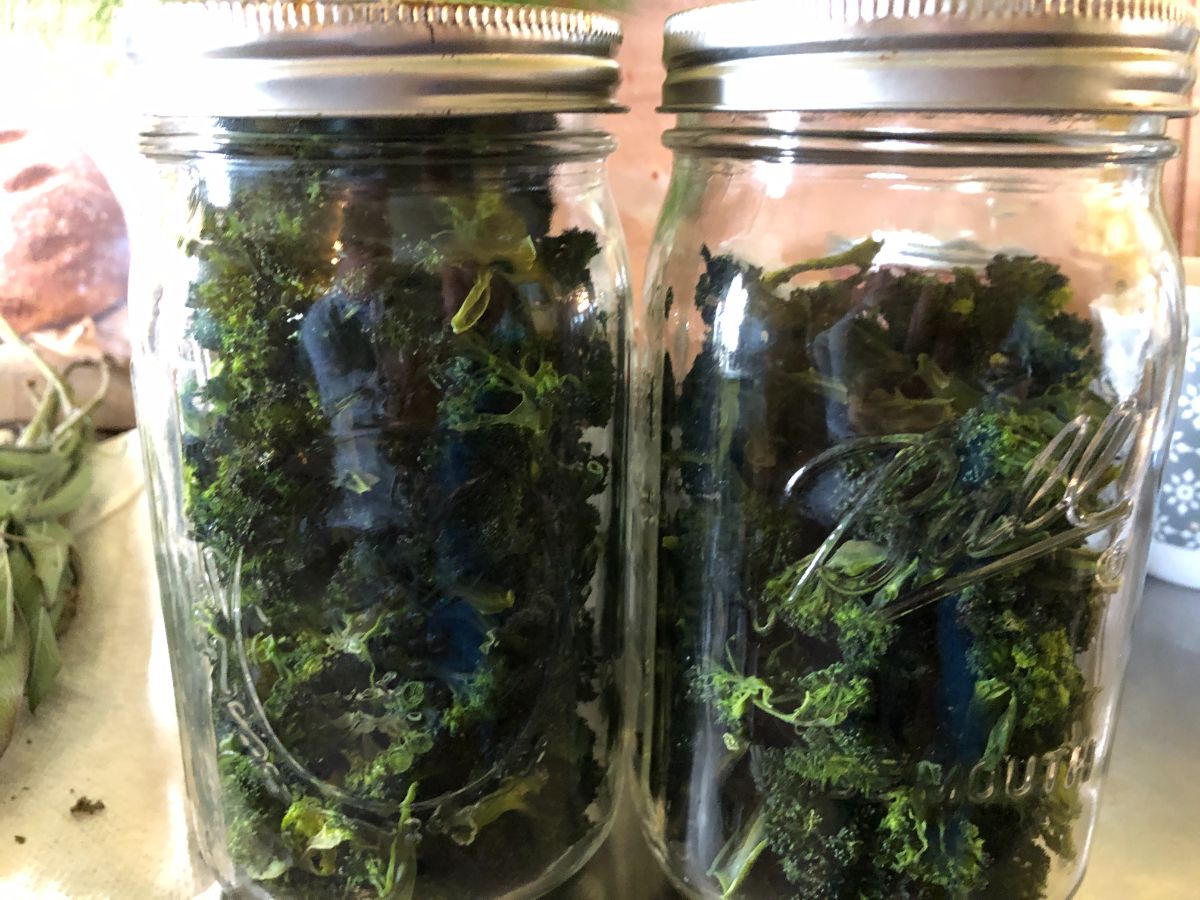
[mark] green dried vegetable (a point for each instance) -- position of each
(44, 476)
(396, 466)
(868, 586)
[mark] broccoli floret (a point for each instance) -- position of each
(819, 843)
(996, 444)
(934, 847)
(1051, 352)
(567, 256)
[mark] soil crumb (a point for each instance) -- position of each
(85, 806)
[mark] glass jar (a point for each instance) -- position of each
(913, 326)
(379, 301)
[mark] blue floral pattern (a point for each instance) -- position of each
(1178, 519)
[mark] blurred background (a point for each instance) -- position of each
(67, 156)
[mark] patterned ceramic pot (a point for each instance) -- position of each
(1175, 551)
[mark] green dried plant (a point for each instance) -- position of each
(832, 490)
(390, 459)
(44, 475)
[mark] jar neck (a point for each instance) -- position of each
(932, 139)
(530, 138)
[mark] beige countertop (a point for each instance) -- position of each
(108, 731)
(1147, 842)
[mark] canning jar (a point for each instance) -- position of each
(379, 299)
(914, 325)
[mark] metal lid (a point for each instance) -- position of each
(1028, 56)
(337, 58)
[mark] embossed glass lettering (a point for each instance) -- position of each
(1063, 487)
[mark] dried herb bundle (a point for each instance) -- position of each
(44, 475)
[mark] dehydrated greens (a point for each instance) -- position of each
(876, 583)
(399, 459)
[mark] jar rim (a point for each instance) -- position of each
(370, 58)
(1047, 56)
(510, 139)
(925, 139)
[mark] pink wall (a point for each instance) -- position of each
(641, 166)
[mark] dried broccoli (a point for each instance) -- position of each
(840, 461)
(394, 465)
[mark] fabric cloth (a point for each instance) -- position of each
(107, 730)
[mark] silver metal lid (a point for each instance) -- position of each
(1028, 56)
(337, 58)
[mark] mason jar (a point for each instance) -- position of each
(379, 301)
(913, 330)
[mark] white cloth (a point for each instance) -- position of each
(107, 730)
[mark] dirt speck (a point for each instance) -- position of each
(19, 838)
(85, 806)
